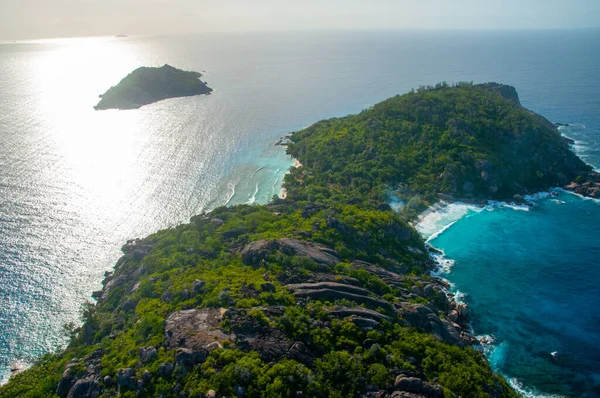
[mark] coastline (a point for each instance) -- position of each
(443, 316)
(296, 164)
(461, 209)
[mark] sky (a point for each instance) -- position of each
(31, 19)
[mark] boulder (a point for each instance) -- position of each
(148, 354)
(213, 346)
(365, 324)
(342, 312)
(65, 383)
(146, 377)
(428, 290)
(211, 394)
(408, 384)
(166, 369)
(187, 358)
(108, 381)
(415, 385)
(368, 343)
(194, 328)
(336, 291)
(85, 388)
(317, 253)
(254, 252)
(268, 287)
(126, 378)
(453, 316)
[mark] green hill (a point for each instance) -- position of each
(146, 85)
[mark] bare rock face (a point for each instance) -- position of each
(417, 386)
(85, 388)
(337, 291)
(126, 378)
(194, 329)
(590, 187)
(505, 91)
(166, 369)
(255, 252)
(426, 319)
(148, 354)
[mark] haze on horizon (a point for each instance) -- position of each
(34, 19)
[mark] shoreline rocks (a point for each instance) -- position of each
(586, 185)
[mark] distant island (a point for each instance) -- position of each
(147, 85)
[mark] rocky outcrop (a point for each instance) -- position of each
(254, 253)
(587, 185)
(505, 91)
(147, 85)
(148, 354)
(426, 319)
(85, 388)
(126, 378)
(417, 386)
(328, 291)
(194, 329)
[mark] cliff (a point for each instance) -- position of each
(148, 85)
(327, 293)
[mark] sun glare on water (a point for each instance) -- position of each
(96, 148)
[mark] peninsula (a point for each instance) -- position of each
(148, 85)
(327, 293)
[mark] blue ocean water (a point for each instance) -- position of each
(531, 280)
(75, 183)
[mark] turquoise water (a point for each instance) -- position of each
(531, 280)
(75, 184)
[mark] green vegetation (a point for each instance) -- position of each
(326, 293)
(466, 141)
(146, 85)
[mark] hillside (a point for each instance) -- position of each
(146, 85)
(470, 142)
(326, 293)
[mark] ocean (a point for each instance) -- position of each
(75, 183)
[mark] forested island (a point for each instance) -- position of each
(326, 293)
(147, 85)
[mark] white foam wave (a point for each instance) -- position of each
(444, 264)
(434, 235)
(231, 193)
(597, 201)
(539, 196)
(253, 197)
(440, 217)
(493, 205)
(526, 392)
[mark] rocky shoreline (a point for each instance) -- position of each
(587, 185)
(328, 288)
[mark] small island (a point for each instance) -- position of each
(148, 85)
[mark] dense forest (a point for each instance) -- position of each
(326, 293)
